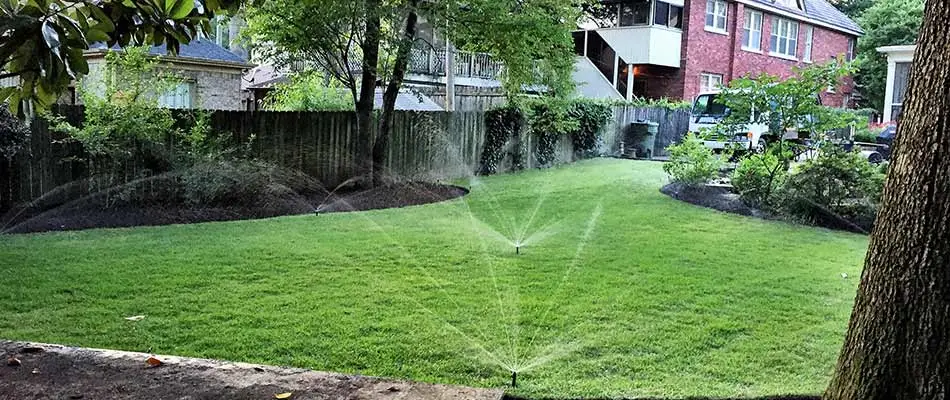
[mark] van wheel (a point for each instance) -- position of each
(761, 146)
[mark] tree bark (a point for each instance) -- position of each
(898, 340)
(381, 147)
(366, 102)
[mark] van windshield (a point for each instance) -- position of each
(707, 106)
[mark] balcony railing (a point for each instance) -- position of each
(431, 62)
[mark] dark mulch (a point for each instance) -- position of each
(91, 213)
(718, 198)
(782, 397)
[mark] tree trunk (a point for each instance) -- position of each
(381, 147)
(898, 341)
(366, 102)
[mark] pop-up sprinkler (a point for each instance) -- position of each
(518, 249)
(514, 378)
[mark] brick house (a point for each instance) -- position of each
(679, 48)
(211, 76)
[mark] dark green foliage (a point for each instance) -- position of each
(692, 163)
(836, 188)
(886, 23)
(14, 135)
(592, 117)
(501, 124)
(758, 176)
(247, 183)
(548, 120)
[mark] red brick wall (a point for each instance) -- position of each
(710, 52)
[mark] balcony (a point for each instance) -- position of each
(638, 31)
(476, 69)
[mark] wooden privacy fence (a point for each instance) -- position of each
(423, 145)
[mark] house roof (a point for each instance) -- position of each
(818, 10)
(198, 50)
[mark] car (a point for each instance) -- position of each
(708, 113)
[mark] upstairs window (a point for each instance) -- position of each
(716, 16)
(851, 44)
(809, 42)
(784, 40)
(752, 31)
(666, 14)
(634, 13)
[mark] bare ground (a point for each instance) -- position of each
(58, 372)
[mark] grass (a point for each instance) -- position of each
(653, 298)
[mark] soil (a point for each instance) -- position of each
(91, 213)
(722, 199)
(56, 372)
(715, 197)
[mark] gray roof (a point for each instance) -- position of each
(409, 101)
(819, 10)
(199, 49)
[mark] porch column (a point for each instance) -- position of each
(629, 82)
(586, 37)
(889, 91)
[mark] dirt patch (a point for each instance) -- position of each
(55, 372)
(93, 212)
(715, 197)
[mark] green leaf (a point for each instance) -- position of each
(94, 35)
(181, 8)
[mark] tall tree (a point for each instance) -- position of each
(368, 44)
(853, 8)
(898, 341)
(43, 40)
(886, 23)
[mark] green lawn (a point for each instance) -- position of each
(630, 294)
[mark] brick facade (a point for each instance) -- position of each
(722, 54)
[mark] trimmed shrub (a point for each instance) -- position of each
(836, 189)
(548, 120)
(692, 163)
(758, 176)
(591, 117)
(501, 124)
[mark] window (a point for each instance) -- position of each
(179, 97)
(809, 40)
(716, 16)
(901, 76)
(669, 15)
(784, 37)
(709, 82)
(635, 12)
(9, 82)
(851, 44)
(752, 30)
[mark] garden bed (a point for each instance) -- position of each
(722, 199)
(91, 213)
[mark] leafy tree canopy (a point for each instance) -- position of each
(886, 23)
(853, 8)
(43, 40)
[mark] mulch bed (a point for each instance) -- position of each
(722, 199)
(91, 214)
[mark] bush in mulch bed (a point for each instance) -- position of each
(214, 191)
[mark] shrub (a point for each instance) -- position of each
(229, 183)
(501, 124)
(758, 176)
(691, 162)
(548, 120)
(836, 188)
(591, 117)
(14, 135)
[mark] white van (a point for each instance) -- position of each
(707, 113)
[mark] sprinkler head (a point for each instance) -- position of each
(514, 378)
(518, 249)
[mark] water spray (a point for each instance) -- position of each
(514, 378)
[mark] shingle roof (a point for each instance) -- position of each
(200, 49)
(819, 10)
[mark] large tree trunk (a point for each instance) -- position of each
(366, 102)
(898, 341)
(381, 147)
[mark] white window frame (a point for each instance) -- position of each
(719, 11)
(852, 44)
(752, 25)
(784, 31)
(182, 96)
(709, 82)
(809, 43)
